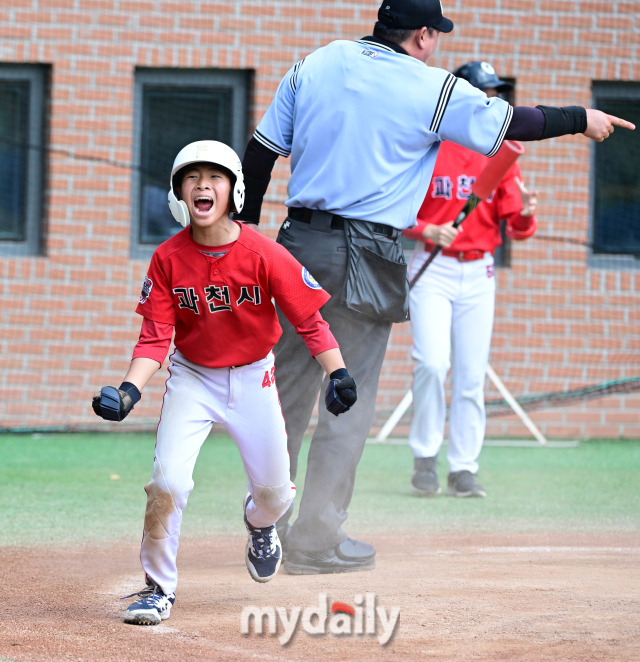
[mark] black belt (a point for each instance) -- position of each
(303, 215)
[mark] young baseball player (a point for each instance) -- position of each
(213, 284)
(452, 303)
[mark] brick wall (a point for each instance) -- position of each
(68, 324)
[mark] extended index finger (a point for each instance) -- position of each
(617, 121)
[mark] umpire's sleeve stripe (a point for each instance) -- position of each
(293, 81)
(445, 95)
(503, 131)
(270, 145)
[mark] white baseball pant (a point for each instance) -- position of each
(197, 397)
(452, 309)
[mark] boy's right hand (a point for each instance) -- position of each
(112, 404)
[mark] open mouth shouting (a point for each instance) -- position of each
(203, 204)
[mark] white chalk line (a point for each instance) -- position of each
(562, 550)
(532, 549)
(505, 443)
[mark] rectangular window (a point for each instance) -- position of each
(172, 109)
(22, 162)
(615, 193)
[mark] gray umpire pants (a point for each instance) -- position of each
(338, 442)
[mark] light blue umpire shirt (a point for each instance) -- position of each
(363, 124)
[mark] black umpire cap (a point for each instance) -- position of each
(414, 14)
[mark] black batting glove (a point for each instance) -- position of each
(341, 393)
(113, 404)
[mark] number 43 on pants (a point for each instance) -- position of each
(269, 378)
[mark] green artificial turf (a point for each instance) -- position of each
(65, 489)
(585, 488)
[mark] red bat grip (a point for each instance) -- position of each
(497, 168)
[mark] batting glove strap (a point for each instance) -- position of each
(112, 404)
(132, 391)
(341, 392)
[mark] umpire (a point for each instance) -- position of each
(362, 122)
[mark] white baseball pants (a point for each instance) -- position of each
(452, 308)
(245, 401)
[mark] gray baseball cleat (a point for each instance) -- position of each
(464, 484)
(424, 480)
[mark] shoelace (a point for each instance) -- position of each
(262, 544)
(147, 592)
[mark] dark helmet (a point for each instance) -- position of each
(482, 75)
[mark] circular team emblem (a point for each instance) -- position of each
(146, 289)
(488, 69)
(309, 280)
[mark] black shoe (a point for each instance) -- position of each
(263, 553)
(349, 556)
(424, 480)
(464, 484)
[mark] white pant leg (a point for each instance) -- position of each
(430, 301)
(185, 421)
(472, 326)
(254, 419)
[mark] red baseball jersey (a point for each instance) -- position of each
(221, 307)
(455, 172)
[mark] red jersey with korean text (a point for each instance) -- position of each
(454, 174)
(221, 307)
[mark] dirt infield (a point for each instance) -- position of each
(460, 598)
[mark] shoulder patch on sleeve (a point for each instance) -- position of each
(309, 280)
(146, 289)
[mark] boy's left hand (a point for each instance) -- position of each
(341, 393)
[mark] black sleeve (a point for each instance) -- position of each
(544, 122)
(563, 121)
(526, 124)
(257, 165)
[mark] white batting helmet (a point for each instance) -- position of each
(206, 151)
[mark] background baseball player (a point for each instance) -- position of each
(362, 122)
(214, 282)
(452, 303)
